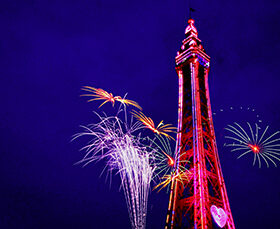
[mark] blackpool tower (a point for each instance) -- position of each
(200, 201)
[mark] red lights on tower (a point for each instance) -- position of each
(200, 201)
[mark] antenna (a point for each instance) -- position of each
(190, 10)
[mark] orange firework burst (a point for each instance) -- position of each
(161, 129)
(167, 179)
(100, 94)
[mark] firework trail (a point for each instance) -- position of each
(137, 160)
(167, 179)
(263, 148)
(113, 140)
(161, 129)
(100, 94)
(166, 161)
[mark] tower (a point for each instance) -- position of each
(201, 201)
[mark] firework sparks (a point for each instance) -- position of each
(180, 176)
(112, 140)
(100, 94)
(163, 157)
(263, 148)
(161, 129)
(166, 160)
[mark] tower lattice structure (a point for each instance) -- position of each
(201, 201)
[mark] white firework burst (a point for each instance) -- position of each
(113, 140)
(264, 147)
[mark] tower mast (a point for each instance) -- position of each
(200, 202)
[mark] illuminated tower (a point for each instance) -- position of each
(201, 202)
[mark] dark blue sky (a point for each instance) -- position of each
(50, 49)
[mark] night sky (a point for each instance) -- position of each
(50, 49)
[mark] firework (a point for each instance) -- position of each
(166, 161)
(161, 129)
(100, 94)
(180, 176)
(113, 140)
(164, 156)
(263, 148)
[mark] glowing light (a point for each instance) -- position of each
(254, 148)
(136, 159)
(167, 179)
(266, 149)
(191, 28)
(161, 129)
(219, 216)
(171, 161)
(165, 160)
(100, 94)
(112, 140)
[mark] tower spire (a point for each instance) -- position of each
(191, 30)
